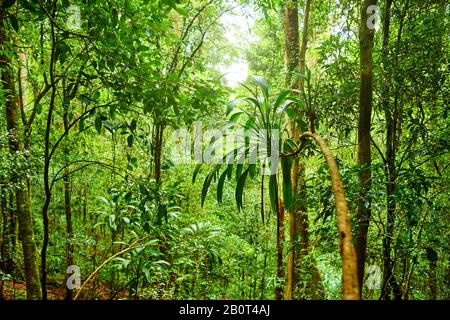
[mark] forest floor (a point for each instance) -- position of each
(17, 291)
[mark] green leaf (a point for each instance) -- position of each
(289, 145)
(252, 170)
(96, 95)
(239, 168)
(85, 99)
(291, 113)
(302, 125)
(15, 23)
(162, 263)
(273, 192)
(162, 213)
(240, 189)
(38, 108)
(286, 104)
(207, 183)
(262, 84)
(112, 222)
(302, 75)
(196, 171)
(122, 262)
(230, 171)
(251, 124)
(286, 164)
(221, 183)
(182, 11)
(281, 98)
(147, 274)
(235, 116)
(133, 125)
(98, 124)
(105, 201)
(233, 104)
(130, 140)
(61, 50)
(80, 124)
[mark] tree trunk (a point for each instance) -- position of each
(298, 218)
(158, 141)
(22, 195)
(280, 241)
(393, 118)
(292, 60)
(350, 286)
(366, 36)
(391, 203)
(69, 227)
(315, 286)
(432, 280)
(47, 159)
(68, 205)
(8, 234)
(310, 113)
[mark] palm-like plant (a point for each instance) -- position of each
(265, 118)
(261, 120)
(261, 124)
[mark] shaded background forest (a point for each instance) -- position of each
(92, 96)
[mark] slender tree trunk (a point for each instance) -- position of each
(389, 135)
(158, 143)
(289, 287)
(393, 119)
(69, 226)
(22, 100)
(432, 280)
(22, 195)
(295, 61)
(315, 286)
(14, 215)
(28, 244)
(8, 234)
(391, 204)
(292, 62)
(292, 43)
(350, 286)
(8, 230)
(47, 159)
(280, 241)
(366, 36)
(68, 203)
(310, 114)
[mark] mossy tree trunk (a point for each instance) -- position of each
(26, 232)
(366, 36)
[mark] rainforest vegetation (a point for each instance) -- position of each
(224, 149)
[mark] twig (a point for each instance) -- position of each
(132, 246)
